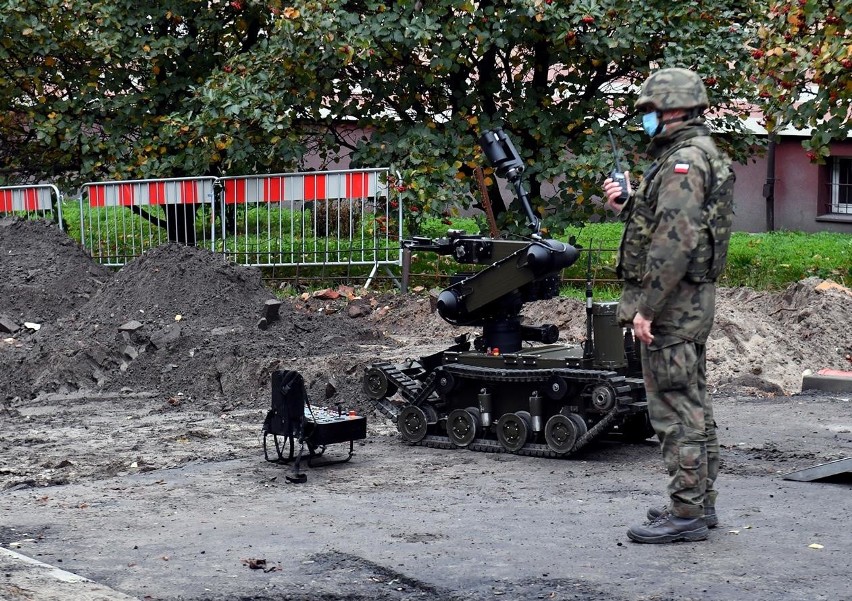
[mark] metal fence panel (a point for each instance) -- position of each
(329, 218)
(323, 219)
(119, 220)
(42, 201)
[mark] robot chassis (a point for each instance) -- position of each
(493, 393)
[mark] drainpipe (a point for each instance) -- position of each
(769, 186)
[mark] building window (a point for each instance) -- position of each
(840, 185)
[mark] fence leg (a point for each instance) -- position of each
(372, 275)
(406, 270)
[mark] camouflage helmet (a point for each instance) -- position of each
(672, 88)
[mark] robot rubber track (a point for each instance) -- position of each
(620, 403)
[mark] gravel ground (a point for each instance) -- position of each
(131, 451)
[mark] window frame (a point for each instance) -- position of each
(838, 189)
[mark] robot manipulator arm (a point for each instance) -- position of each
(500, 290)
(517, 271)
(465, 248)
(503, 156)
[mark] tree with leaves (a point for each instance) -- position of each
(196, 88)
(87, 87)
(804, 56)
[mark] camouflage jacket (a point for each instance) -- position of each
(675, 241)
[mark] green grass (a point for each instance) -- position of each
(767, 261)
(264, 235)
(771, 261)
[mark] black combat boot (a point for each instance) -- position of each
(710, 517)
(669, 528)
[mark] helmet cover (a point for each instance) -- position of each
(672, 88)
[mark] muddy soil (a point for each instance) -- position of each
(132, 403)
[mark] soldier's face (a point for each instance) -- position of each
(651, 123)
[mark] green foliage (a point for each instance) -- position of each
(106, 90)
(90, 85)
(805, 62)
(605, 235)
(762, 261)
(426, 78)
(769, 261)
(775, 259)
(601, 292)
(432, 227)
(601, 240)
(264, 235)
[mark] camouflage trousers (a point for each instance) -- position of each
(681, 413)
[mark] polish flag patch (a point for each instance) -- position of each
(681, 168)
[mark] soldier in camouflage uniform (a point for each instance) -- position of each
(677, 227)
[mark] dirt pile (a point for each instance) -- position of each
(762, 342)
(43, 272)
(182, 322)
(766, 341)
(178, 320)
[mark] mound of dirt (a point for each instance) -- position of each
(768, 340)
(44, 273)
(178, 320)
(182, 322)
(762, 342)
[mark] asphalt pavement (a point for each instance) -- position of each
(401, 522)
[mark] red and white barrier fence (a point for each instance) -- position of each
(305, 187)
(323, 218)
(42, 201)
(151, 192)
(311, 219)
(119, 220)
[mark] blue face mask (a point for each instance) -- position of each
(651, 124)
